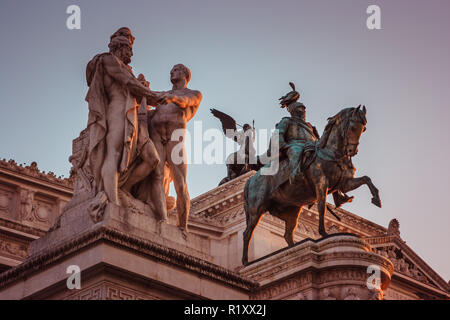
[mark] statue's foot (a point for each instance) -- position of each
(244, 170)
(376, 201)
(159, 225)
(184, 232)
(97, 206)
(323, 233)
(342, 198)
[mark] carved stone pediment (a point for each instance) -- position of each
(407, 263)
(393, 228)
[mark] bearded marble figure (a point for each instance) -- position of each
(119, 151)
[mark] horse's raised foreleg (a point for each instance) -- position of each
(355, 183)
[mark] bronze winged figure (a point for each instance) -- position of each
(244, 159)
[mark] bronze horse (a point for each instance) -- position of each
(330, 170)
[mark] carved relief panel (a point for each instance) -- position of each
(37, 208)
(7, 201)
(13, 248)
(26, 204)
(44, 209)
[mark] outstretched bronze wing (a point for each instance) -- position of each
(227, 121)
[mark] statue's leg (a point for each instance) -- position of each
(157, 194)
(290, 217)
(321, 188)
(179, 172)
(170, 201)
(229, 171)
(340, 198)
(293, 154)
(236, 167)
(167, 179)
(114, 146)
(354, 183)
(245, 167)
(253, 216)
(150, 160)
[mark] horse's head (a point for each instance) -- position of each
(353, 125)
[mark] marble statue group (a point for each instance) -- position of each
(128, 148)
(125, 153)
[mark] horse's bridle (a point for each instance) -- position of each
(344, 130)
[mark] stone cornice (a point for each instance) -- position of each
(14, 227)
(319, 251)
(115, 237)
(428, 287)
(32, 171)
(223, 196)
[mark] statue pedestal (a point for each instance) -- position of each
(333, 268)
(125, 256)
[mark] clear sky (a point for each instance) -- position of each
(242, 55)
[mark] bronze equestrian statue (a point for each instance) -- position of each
(323, 165)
